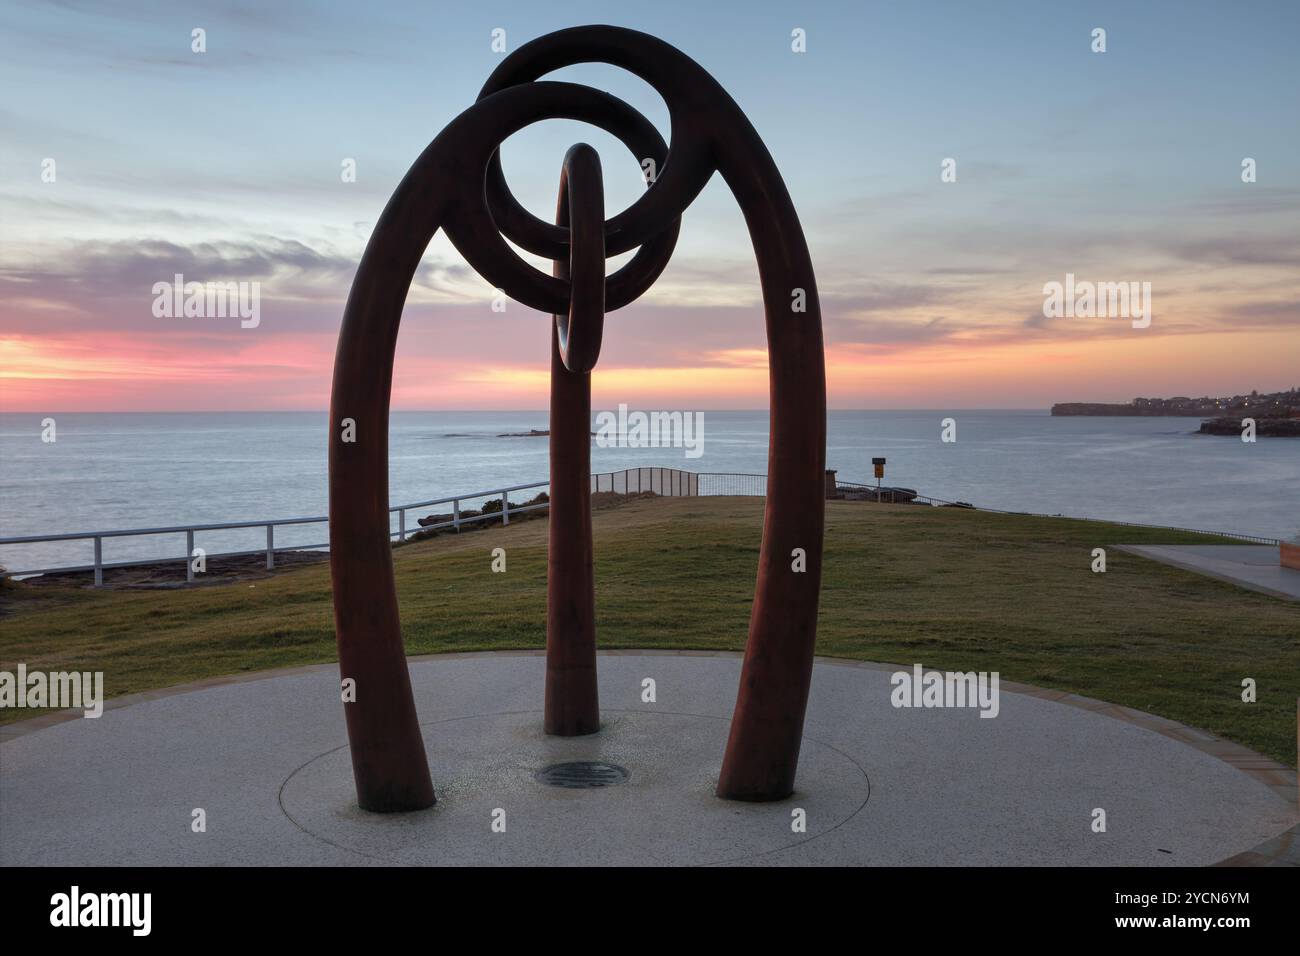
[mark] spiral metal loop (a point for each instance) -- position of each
(479, 234)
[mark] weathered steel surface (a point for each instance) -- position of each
(457, 185)
(572, 704)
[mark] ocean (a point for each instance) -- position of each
(111, 471)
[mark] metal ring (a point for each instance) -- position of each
(581, 207)
(680, 174)
(463, 151)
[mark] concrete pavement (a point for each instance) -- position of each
(265, 758)
(1255, 567)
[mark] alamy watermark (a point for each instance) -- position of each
(75, 908)
(651, 430)
(921, 688)
(208, 300)
(1094, 300)
(57, 689)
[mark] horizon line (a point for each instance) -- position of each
(507, 411)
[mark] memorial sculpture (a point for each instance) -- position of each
(457, 185)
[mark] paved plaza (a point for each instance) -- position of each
(265, 758)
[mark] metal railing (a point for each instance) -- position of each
(669, 482)
(270, 524)
(661, 481)
(717, 483)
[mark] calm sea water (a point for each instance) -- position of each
(108, 471)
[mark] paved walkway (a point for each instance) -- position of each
(1255, 567)
(265, 757)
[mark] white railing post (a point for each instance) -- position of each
(270, 547)
(455, 515)
(189, 556)
(505, 507)
(99, 561)
(401, 525)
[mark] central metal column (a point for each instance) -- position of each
(572, 704)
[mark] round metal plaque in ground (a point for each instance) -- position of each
(582, 775)
(664, 811)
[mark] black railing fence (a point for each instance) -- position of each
(717, 483)
(669, 482)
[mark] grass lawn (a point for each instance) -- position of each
(949, 588)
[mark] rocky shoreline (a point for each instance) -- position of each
(532, 433)
(438, 524)
(1264, 427)
(1255, 404)
(1123, 410)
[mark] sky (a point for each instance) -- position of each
(226, 165)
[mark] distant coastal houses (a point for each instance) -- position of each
(1269, 405)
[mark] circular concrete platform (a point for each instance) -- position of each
(266, 760)
(664, 813)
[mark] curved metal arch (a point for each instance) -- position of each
(709, 132)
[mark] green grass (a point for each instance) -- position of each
(949, 588)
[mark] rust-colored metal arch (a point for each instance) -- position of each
(456, 184)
